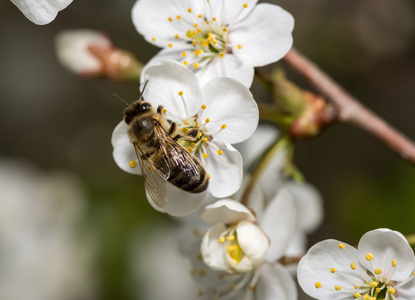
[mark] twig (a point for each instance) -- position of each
(349, 108)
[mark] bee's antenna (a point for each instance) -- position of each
(119, 98)
(144, 88)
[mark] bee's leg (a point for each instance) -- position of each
(192, 135)
(173, 127)
(160, 110)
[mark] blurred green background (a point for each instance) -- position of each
(59, 121)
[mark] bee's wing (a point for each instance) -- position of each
(176, 158)
(155, 184)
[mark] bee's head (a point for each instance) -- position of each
(135, 109)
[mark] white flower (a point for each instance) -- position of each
(381, 268)
(42, 254)
(41, 12)
(223, 111)
(72, 49)
(245, 252)
(217, 37)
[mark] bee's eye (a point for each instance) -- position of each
(145, 106)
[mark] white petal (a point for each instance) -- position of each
(228, 66)
(225, 170)
(406, 291)
(123, 151)
(309, 205)
(226, 211)
(275, 282)
(212, 251)
(41, 12)
(72, 49)
(179, 203)
(265, 35)
(278, 222)
(256, 144)
(252, 241)
(387, 245)
(150, 18)
(229, 102)
(228, 11)
(316, 266)
(165, 81)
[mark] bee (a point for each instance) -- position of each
(160, 157)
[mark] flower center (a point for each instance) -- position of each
(373, 283)
(230, 239)
(202, 37)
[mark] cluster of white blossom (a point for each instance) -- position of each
(199, 82)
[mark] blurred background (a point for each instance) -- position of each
(53, 121)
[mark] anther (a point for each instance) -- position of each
(394, 262)
(353, 266)
(214, 19)
(342, 246)
(205, 140)
(204, 155)
(181, 93)
(189, 10)
(332, 270)
(200, 16)
(369, 256)
(357, 295)
(220, 152)
(185, 122)
(356, 287)
(252, 287)
(153, 39)
(207, 120)
(190, 149)
(170, 45)
(164, 111)
(230, 238)
(378, 271)
(318, 285)
(245, 5)
(225, 29)
(377, 290)
(184, 54)
(223, 126)
(170, 19)
(203, 106)
(195, 25)
(239, 47)
(374, 284)
(186, 130)
(178, 17)
(337, 288)
(196, 65)
(176, 36)
(391, 290)
(185, 63)
(222, 55)
(132, 164)
(193, 144)
(221, 240)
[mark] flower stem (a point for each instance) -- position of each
(265, 160)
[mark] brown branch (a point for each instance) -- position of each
(349, 108)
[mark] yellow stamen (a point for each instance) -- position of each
(378, 271)
(132, 164)
(203, 106)
(220, 152)
(195, 25)
(245, 5)
(252, 287)
(239, 47)
(189, 10)
(208, 175)
(223, 126)
(207, 120)
(204, 140)
(193, 144)
(356, 287)
(230, 238)
(332, 270)
(394, 262)
(196, 65)
(318, 285)
(391, 290)
(353, 266)
(357, 295)
(222, 54)
(369, 256)
(190, 149)
(342, 246)
(204, 155)
(200, 16)
(170, 45)
(170, 19)
(176, 36)
(153, 39)
(164, 111)
(377, 290)
(221, 240)
(178, 17)
(185, 63)
(225, 29)
(185, 122)
(214, 19)
(186, 130)
(374, 284)
(194, 43)
(337, 288)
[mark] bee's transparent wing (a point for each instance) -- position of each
(154, 182)
(176, 158)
